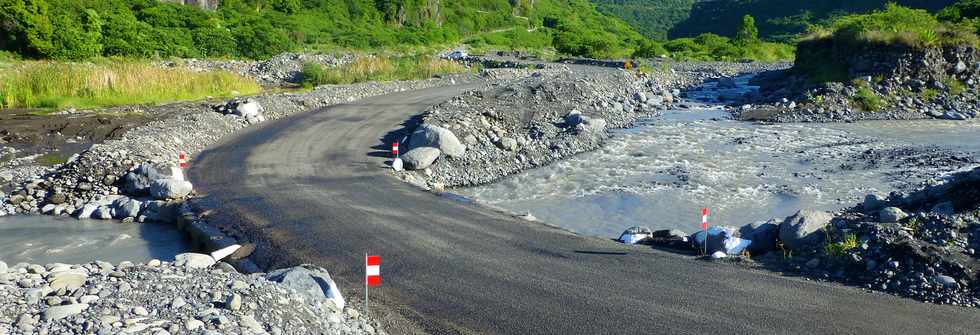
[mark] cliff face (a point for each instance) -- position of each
(203, 4)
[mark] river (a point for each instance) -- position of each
(49, 239)
(661, 172)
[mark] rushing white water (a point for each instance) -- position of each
(49, 239)
(660, 173)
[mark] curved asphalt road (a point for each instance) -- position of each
(312, 185)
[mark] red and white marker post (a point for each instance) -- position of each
(394, 149)
(182, 160)
(372, 275)
(704, 227)
(397, 162)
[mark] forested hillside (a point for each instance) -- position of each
(777, 19)
(80, 29)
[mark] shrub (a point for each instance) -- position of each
(866, 98)
(840, 248)
(893, 25)
(379, 68)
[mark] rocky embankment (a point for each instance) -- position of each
(280, 70)
(920, 244)
(192, 295)
(533, 121)
(896, 83)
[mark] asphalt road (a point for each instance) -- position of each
(316, 186)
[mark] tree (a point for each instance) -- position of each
(747, 31)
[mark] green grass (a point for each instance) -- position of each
(379, 68)
(955, 86)
(865, 97)
(51, 159)
(929, 94)
(111, 82)
(840, 248)
(894, 25)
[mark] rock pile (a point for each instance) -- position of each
(881, 84)
(171, 298)
(282, 69)
(921, 244)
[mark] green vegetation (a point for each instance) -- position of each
(955, 86)
(929, 94)
(53, 84)
(83, 29)
(371, 68)
(651, 18)
(865, 97)
(840, 248)
(51, 159)
(714, 47)
(778, 20)
(747, 32)
(894, 25)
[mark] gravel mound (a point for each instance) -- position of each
(280, 70)
(161, 298)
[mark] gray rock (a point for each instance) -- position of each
(169, 188)
(763, 235)
(719, 239)
(507, 143)
(87, 211)
(193, 324)
(947, 282)
(312, 283)
(804, 230)
(194, 260)
(873, 202)
(944, 208)
(126, 207)
(420, 158)
(140, 311)
(137, 182)
(428, 135)
(574, 118)
(48, 208)
(60, 312)
(891, 215)
(103, 213)
(69, 280)
(251, 111)
(3, 267)
(951, 115)
(234, 302)
(960, 67)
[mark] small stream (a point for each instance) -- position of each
(660, 173)
(50, 239)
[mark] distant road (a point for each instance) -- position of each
(315, 184)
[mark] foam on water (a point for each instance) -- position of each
(660, 173)
(49, 239)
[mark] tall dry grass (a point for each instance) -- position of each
(380, 68)
(56, 85)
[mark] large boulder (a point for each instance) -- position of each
(125, 207)
(160, 211)
(137, 182)
(194, 260)
(428, 135)
(251, 111)
(720, 238)
(804, 230)
(891, 215)
(311, 282)
(168, 188)
(763, 235)
(873, 202)
(420, 158)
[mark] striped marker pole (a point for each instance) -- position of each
(394, 149)
(182, 160)
(704, 226)
(372, 275)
